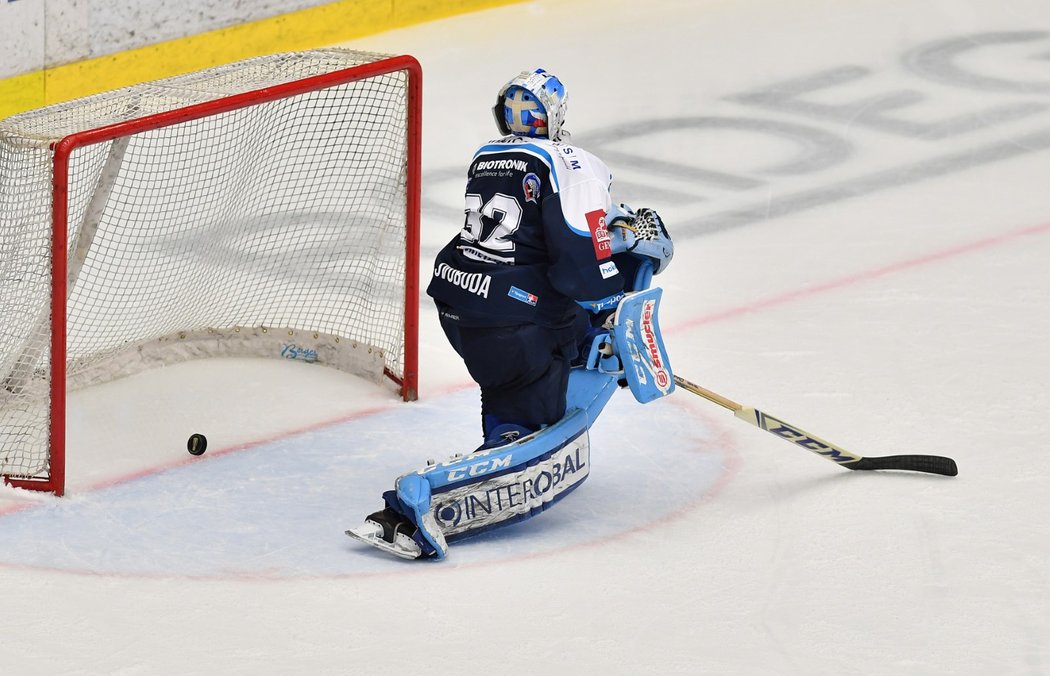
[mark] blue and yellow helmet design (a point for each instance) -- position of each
(532, 104)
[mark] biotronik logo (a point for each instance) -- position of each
(489, 165)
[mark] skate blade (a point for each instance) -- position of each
(402, 547)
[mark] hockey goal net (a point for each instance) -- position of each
(263, 208)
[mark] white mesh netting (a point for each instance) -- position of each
(276, 229)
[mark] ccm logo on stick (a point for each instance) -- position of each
(803, 439)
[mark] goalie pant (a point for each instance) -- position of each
(471, 494)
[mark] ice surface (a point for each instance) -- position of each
(857, 196)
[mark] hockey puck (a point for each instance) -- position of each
(197, 444)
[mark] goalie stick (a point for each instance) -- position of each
(931, 464)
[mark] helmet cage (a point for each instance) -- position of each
(550, 93)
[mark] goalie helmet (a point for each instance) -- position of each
(532, 104)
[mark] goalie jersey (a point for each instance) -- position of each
(534, 246)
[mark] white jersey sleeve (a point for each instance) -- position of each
(583, 182)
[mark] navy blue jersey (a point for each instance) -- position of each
(534, 245)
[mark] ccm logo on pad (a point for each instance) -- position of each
(479, 468)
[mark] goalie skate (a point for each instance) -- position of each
(386, 531)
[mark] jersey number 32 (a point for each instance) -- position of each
(501, 215)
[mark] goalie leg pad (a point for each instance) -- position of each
(544, 474)
(640, 346)
(499, 486)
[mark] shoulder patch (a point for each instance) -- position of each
(599, 234)
(530, 185)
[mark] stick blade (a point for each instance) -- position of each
(930, 464)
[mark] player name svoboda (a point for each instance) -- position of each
(474, 282)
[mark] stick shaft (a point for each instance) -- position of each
(708, 394)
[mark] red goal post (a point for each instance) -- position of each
(265, 208)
